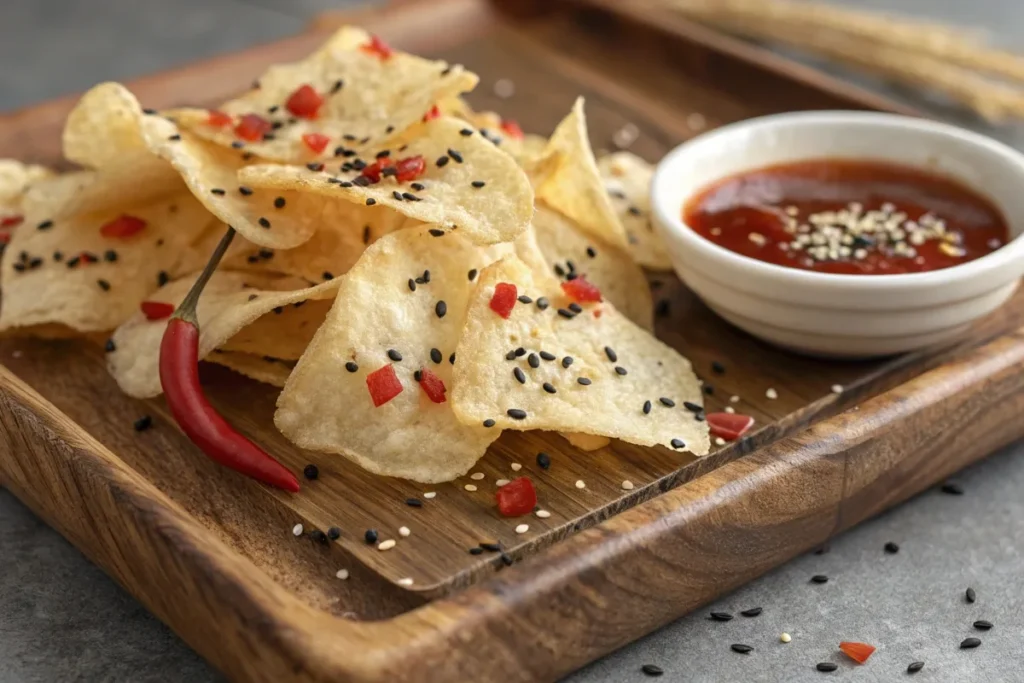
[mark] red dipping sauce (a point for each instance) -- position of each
(848, 217)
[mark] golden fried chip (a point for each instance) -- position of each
(91, 272)
(272, 371)
(573, 187)
(355, 98)
(605, 376)
(400, 310)
(570, 253)
(627, 178)
(230, 302)
(467, 184)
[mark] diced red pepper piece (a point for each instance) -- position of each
(516, 498)
(432, 114)
(383, 385)
(410, 168)
(85, 257)
(581, 290)
(729, 426)
(316, 142)
(5, 237)
(374, 170)
(512, 129)
(504, 299)
(11, 221)
(305, 102)
(219, 119)
(123, 226)
(433, 386)
(377, 47)
(252, 127)
(858, 652)
(156, 310)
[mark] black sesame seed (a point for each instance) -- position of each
(634, 211)
(409, 196)
(143, 423)
(351, 367)
(417, 375)
(516, 413)
(543, 461)
(692, 407)
(511, 355)
(104, 285)
(970, 595)
(314, 166)
(952, 488)
(542, 303)
(717, 367)
(328, 275)
(338, 85)
(278, 310)
(394, 355)
(619, 370)
(237, 144)
(610, 352)
(548, 387)
(370, 536)
(149, 112)
(35, 262)
(436, 232)
(418, 186)
(370, 201)
(334, 533)
(366, 234)
(523, 299)
(174, 138)
(162, 278)
(969, 643)
(45, 225)
(245, 191)
(414, 502)
(426, 276)
(465, 132)
(506, 559)
(488, 422)
(311, 472)
(218, 191)
(442, 161)
(567, 361)
(752, 612)
(361, 181)
(519, 375)
(533, 361)
(891, 548)
(721, 616)
(491, 547)
(383, 154)
(58, 256)
(456, 157)
(591, 252)
(476, 551)
(982, 625)
(398, 195)
(651, 670)
(585, 381)
(547, 355)
(441, 309)
(678, 443)
(478, 184)
(741, 648)
(669, 403)
(435, 355)
(412, 285)
(451, 358)
(471, 274)
(279, 203)
(915, 667)
(575, 308)
(662, 308)
(318, 536)
(647, 407)
(264, 223)
(819, 578)
(109, 346)
(566, 314)
(826, 667)
(570, 277)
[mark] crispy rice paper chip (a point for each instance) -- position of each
(367, 99)
(568, 251)
(574, 186)
(627, 178)
(608, 402)
(326, 405)
(272, 371)
(230, 302)
(468, 184)
(65, 271)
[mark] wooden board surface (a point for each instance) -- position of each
(71, 453)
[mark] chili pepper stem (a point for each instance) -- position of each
(187, 308)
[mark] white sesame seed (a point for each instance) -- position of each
(771, 393)
(627, 485)
(516, 467)
(543, 514)
(785, 637)
(715, 232)
(500, 482)
(342, 574)
(625, 136)
(719, 441)
(522, 528)
(580, 484)
(477, 476)
(403, 531)
(430, 494)
(297, 530)
(734, 399)
(696, 121)
(470, 487)
(837, 388)
(730, 409)
(386, 545)
(17, 354)
(405, 582)
(504, 88)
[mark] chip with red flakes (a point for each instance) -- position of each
(401, 306)
(343, 92)
(627, 178)
(606, 375)
(265, 369)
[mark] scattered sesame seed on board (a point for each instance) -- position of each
(730, 410)
(785, 638)
(627, 485)
(580, 484)
(543, 514)
(771, 394)
(404, 531)
(719, 441)
(837, 388)
(405, 582)
(470, 487)
(430, 494)
(734, 399)
(516, 467)
(500, 482)
(342, 574)
(477, 476)
(386, 545)
(297, 530)
(522, 528)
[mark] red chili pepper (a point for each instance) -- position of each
(122, 226)
(432, 114)
(11, 221)
(252, 127)
(377, 47)
(582, 290)
(504, 299)
(433, 386)
(410, 168)
(516, 498)
(219, 119)
(316, 142)
(156, 310)
(383, 385)
(305, 102)
(858, 652)
(729, 426)
(179, 377)
(512, 129)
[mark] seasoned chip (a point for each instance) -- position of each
(399, 312)
(230, 302)
(502, 132)
(265, 369)
(606, 376)
(571, 253)
(16, 177)
(90, 272)
(573, 186)
(348, 95)
(435, 175)
(283, 335)
(627, 178)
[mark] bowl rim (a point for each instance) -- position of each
(668, 199)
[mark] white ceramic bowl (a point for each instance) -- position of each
(842, 315)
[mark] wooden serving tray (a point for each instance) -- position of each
(213, 555)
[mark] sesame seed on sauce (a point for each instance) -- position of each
(328, 275)
(518, 374)
(455, 156)
(104, 285)
(245, 191)
(441, 162)
(351, 366)
(585, 381)
(237, 144)
(478, 184)
(542, 303)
